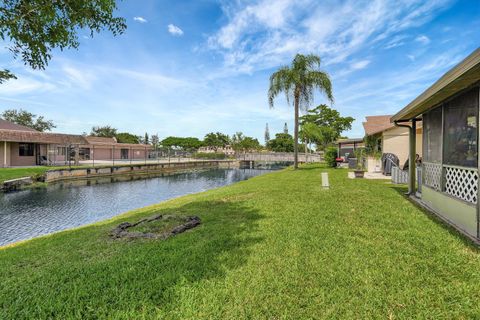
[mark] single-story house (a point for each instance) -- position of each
(346, 147)
(23, 146)
(100, 148)
(390, 138)
(449, 110)
(227, 150)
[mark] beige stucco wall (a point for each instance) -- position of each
(17, 160)
(105, 153)
(100, 153)
(461, 214)
(395, 141)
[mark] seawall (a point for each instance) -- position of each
(82, 173)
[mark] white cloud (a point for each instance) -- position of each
(151, 79)
(174, 30)
(82, 78)
(396, 41)
(26, 85)
(411, 57)
(250, 41)
(140, 19)
(423, 39)
(360, 64)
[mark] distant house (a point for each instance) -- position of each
(449, 110)
(23, 146)
(346, 147)
(227, 150)
(391, 138)
(100, 148)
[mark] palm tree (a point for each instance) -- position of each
(299, 82)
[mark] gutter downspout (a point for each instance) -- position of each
(411, 154)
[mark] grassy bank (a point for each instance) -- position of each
(14, 173)
(276, 246)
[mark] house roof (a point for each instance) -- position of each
(351, 140)
(10, 135)
(132, 145)
(110, 142)
(376, 124)
(100, 140)
(462, 76)
(40, 137)
(7, 125)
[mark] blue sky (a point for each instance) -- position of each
(189, 67)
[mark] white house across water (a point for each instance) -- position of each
(449, 110)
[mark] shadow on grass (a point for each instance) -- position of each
(88, 275)
(403, 189)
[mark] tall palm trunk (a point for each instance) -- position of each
(295, 131)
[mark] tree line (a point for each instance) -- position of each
(320, 126)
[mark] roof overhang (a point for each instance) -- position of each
(463, 75)
(40, 137)
(352, 140)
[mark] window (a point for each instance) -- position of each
(26, 149)
(432, 126)
(460, 135)
(124, 153)
(84, 153)
(61, 151)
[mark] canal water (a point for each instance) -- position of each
(31, 213)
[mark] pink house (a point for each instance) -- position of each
(23, 146)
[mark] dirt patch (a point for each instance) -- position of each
(156, 227)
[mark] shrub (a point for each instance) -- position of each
(331, 156)
(213, 156)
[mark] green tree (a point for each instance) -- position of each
(104, 131)
(188, 143)
(331, 155)
(283, 142)
(191, 143)
(249, 144)
(33, 28)
(125, 137)
(309, 132)
(298, 82)
(243, 143)
(329, 122)
(146, 139)
(216, 140)
(28, 119)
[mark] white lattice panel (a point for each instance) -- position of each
(462, 183)
(432, 175)
(399, 176)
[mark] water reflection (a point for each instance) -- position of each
(27, 214)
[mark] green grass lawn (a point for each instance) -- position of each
(276, 246)
(13, 173)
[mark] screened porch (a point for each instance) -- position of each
(450, 163)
